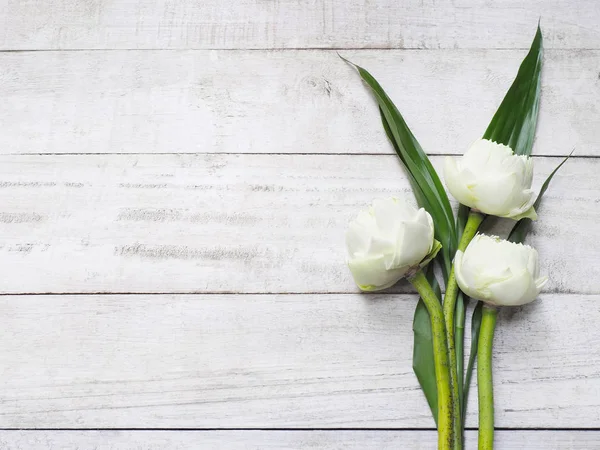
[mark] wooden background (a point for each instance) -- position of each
(175, 183)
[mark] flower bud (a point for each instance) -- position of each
(491, 178)
(498, 272)
(386, 241)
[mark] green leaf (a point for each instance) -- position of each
(516, 119)
(423, 364)
(462, 301)
(523, 226)
(421, 199)
(428, 188)
(435, 249)
(475, 326)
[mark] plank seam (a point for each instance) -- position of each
(218, 293)
(282, 49)
(200, 430)
(269, 154)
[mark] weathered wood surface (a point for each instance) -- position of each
(275, 361)
(234, 223)
(280, 102)
(285, 440)
(209, 24)
(260, 209)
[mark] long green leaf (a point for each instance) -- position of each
(516, 119)
(475, 326)
(423, 364)
(514, 124)
(523, 226)
(431, 195)
(418, 193)
(461, 304)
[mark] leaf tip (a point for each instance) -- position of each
(538, 33)
(347, 61)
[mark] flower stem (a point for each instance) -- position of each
(441, 362)
(456, 342)
(484, 378)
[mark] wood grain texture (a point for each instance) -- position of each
(220, 223)
(284, 440)
(268, 361)
(209, 24)
(280, 102)
(235, 223)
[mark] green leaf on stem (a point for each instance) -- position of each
(516, 119)
(426, 184)
(423, 363)
(475, 327)
(462, 301)
(431, 195)
(522, 227)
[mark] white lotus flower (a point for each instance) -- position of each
(491, 178)
(499, 272)
(386, 241)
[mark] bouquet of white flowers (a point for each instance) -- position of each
(393, 240)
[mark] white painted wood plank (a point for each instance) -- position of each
(264, 361)
(284, 440)
(72, 24)
(234, 223)
(280, 102)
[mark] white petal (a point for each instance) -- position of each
(499, 180)
(495, 193)
(455, 181)
(357, 241)
(424, 218)
(414, 244)
(381, 245)
(371, 274)
(385, 240)
(464, 279)
(484, 154)
(525, 209)
(527, 180)
(533, 262)
(403, 208)
(540, 283)
(386, 217)
(516, 290)
(498, 271)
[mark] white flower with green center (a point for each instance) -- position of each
(499, 272)
(387, 241)
(492, 179)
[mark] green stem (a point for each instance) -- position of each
(441, 361)
(484, 378)
(471, 227)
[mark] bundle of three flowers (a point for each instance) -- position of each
(393, 240)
